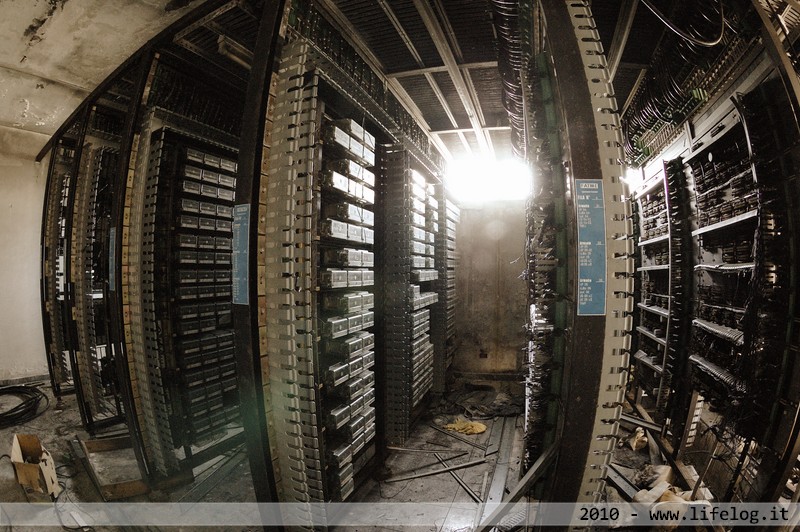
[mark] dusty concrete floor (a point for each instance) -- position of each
(441, 488)
(60, 423)
(58, 427)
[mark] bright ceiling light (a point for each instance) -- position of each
(476, 180)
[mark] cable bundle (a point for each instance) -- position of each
(27, 410)
(510, 62)
(674, 86)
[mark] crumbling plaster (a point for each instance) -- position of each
(55, 52)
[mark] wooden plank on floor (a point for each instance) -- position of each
(493, 445)
(114, 457)
(497, 487)
(624, 486)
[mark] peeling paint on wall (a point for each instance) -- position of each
(172, 5)
(32, 32)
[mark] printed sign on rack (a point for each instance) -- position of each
(591, 214)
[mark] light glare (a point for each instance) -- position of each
(476, 180)
(633, 178)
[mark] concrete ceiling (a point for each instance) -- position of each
(55, 52)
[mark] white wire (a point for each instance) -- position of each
(685, 35)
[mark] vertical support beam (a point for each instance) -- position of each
(600, 340)
(690, 429)
(114, 292)
(787, 448)
(245, 316)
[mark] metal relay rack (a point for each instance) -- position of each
(408, 268)
(137, 246)
(188, 358)
(176, 291)
(347, 236)
(100, 401)
(663, 273)
(60, 182)
(733, 355)
(318, 287)
(80, 192)
(443, 326)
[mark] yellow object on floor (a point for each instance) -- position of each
(466, 427)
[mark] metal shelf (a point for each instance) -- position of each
(726, 223)
(717, 372)
(659, 295)
(654, 240)
(737, 310)
(647, 360)
(725, 268)
(649, 334)
(726, 333)
(660, 311)
(649, 186)
(654, 267)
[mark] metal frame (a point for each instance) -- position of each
(627, 12)
(90, 402)
(389, 12)
(439, 37)
(247, 319)
(600, 343)
(55, 344)
(429, 70)
(352, 35)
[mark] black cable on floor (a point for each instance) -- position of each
(28, 409)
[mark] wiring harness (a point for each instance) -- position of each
(510, 63)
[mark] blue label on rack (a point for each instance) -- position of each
(241, 254)
(591, 247)
(112, 266)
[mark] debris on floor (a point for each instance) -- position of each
(466, 427)
(625, 455)
(636, 441)
(33, 465)
(226, 478)
(651, 475)
(482, 401)
(436, 465)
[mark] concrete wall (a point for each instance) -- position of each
(52, 55)
(22, 186)
(490, 314)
